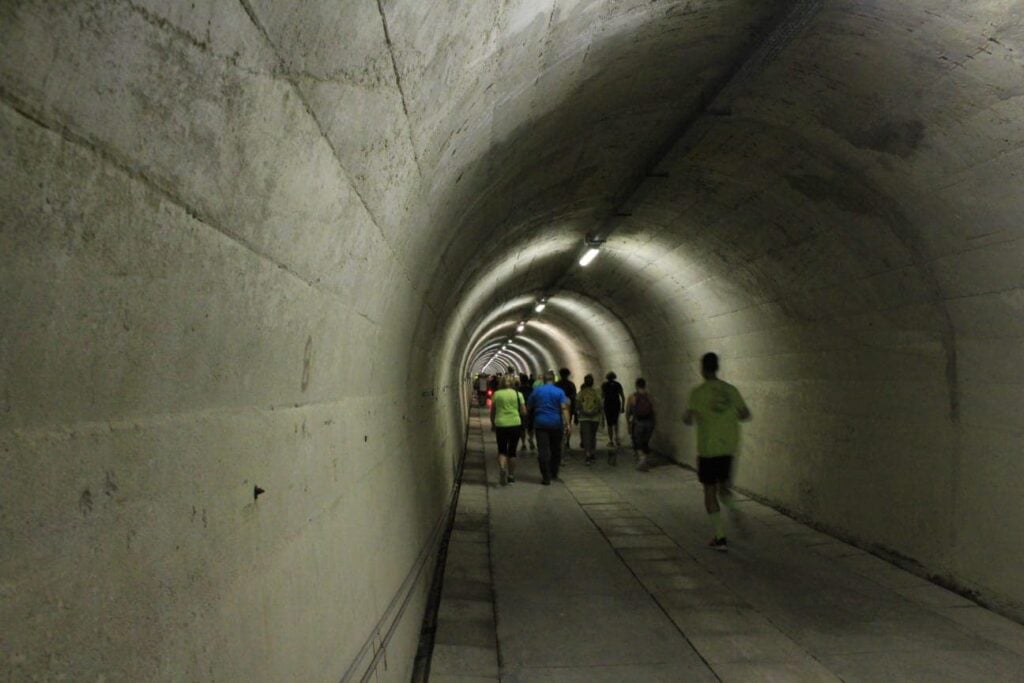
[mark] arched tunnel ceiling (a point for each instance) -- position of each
(816, 172)
(552, 155)
(574, 330)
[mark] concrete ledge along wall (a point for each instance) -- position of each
(262, 245)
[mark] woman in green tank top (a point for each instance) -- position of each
(507, 411)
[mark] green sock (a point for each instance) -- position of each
(719, 524)
(728, 500)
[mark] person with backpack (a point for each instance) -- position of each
(508, 407)
(589, 409)
(614, 404)
(526, 388)
(640, 420)
(569, 388)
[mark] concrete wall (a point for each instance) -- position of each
(256, 244)
(207, 288)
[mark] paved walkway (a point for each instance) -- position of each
(605, 577)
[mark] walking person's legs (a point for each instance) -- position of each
(544, 454)
(511, 455)
(631, 424)
(643, 429)
(713, 473)
(588, 439)
(714, 511)
(611, 420)
(501, 436)
(728, 500)
(555, 439)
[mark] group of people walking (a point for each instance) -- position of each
(542, 412)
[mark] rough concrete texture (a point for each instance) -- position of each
(261, 244)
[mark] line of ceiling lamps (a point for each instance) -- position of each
(519, 328)
(593, 249)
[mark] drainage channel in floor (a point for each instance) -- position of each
(465, 640)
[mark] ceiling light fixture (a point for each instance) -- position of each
(593, 249)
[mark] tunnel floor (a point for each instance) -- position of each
(605, 576)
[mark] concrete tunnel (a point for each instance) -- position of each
(251, 253)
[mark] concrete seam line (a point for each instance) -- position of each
(401, 599)
(398, 83)
(117, 161)
(300, 93)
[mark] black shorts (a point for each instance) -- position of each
(508, 439)
(715, 469)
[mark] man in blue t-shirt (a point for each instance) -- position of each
(548, 409)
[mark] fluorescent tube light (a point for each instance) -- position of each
(589, 256)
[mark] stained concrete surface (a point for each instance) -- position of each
(604, 577)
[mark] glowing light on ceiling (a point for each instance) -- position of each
(589, 256)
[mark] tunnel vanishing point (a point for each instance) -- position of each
(251, 252)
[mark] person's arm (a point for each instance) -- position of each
(565, 415)
(629, 408)
(492, 413)
(522, 405)
(622, 399)
(742, 412)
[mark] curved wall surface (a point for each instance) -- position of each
(250, 253)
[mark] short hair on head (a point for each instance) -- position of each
(610, 376)
(588, 381)
(564, 372)
(549, 375)
(641, 383)
(509, 382)
(709, 362)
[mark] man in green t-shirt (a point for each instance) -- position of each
(717, 408)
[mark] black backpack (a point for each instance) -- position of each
(642, 407)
